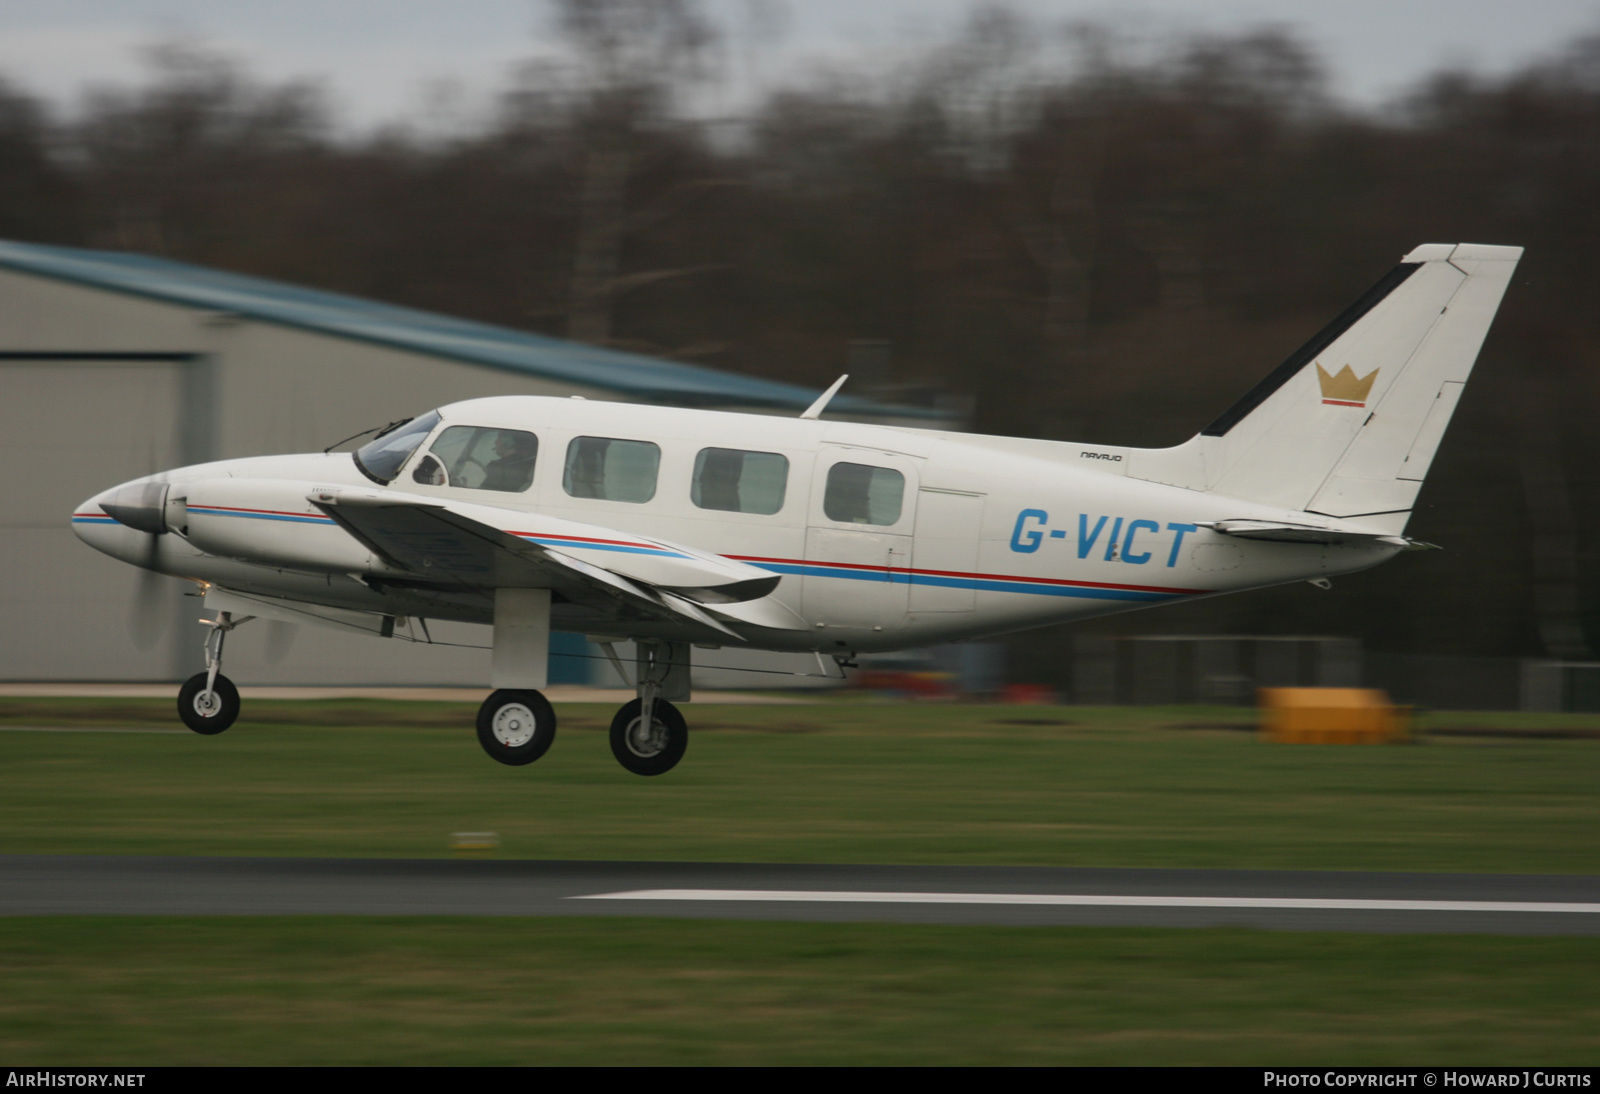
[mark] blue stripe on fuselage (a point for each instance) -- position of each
(580, 545)
(291, 518)
(986, 584)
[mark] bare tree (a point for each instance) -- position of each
(632, 57)
(36, 198)
(186, 160)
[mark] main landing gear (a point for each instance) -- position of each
(649, 745)
(648, 735)
(208, 702)
(516, 727)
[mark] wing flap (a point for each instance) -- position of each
(769, 613)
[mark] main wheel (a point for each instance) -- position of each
(649, 751)
(516, 727)
(205, 711)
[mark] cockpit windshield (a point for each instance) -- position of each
(381, 458)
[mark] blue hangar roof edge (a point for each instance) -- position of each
(425, 332)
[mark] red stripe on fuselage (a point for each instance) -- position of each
(593, 539)
(268, 512)
(973, 576)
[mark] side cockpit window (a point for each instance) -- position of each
(480, 458)
(381, 458)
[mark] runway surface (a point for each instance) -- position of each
(1273, 899)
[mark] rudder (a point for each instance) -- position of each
(1349, 424)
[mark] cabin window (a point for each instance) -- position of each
(859, 494)
(480, 458)
(382, 457)
(610, 469)
(739, 482)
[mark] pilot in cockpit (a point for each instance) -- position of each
(512, 469)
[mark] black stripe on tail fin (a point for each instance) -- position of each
(1303, 356)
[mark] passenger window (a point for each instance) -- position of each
(739, 482)
(480, 458)
(858, 494)
(613, 470)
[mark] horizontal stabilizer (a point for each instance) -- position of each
(1282, 532)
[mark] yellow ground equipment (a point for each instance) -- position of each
(475, 844)
(1331, 716)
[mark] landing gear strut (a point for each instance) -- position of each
(208, 702)
(648, 735)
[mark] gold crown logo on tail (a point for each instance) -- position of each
(1343, 389)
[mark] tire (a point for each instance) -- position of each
(516, 727)
(659, 752)
(208, 712)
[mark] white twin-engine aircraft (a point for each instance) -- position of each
(685, 528)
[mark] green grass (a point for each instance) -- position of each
(830, 782)
(369, 990)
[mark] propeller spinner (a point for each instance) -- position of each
(141, 506)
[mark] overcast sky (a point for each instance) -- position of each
(376, 58)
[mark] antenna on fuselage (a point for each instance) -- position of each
(815, 409)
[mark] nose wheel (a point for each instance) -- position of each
(516, 727)
(649, 749)
(208, 706)
(208, 702)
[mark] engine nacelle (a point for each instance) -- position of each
(270, 521)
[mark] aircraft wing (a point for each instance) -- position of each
(472, 546)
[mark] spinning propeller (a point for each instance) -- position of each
(142, 506)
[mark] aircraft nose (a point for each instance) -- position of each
(94, 526)
(102, 521)
(88, 515)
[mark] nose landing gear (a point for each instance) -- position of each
(208, 702)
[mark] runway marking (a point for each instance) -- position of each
(1096, 900)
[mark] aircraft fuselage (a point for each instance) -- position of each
(983, 537)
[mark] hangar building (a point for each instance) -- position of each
(117, 365)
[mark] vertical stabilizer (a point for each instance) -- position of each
(1349, 424)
